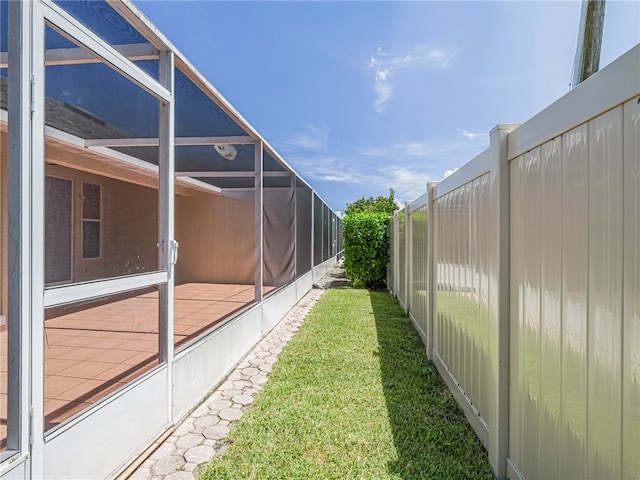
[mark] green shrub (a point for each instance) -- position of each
(366, 248)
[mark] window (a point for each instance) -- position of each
(91, 220)
(58, 230)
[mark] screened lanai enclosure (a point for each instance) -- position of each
(149, 237)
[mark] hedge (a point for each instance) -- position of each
(366, 248)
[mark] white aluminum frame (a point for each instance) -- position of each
(55, 17)
(168, 247)
(78, 56)
(47, 14)
(60, 295)
(36, 247)
(180, 141)
(19, 255)
(68, 26)
(258, 220)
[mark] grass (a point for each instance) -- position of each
(352, 396)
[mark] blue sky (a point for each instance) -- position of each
(360, 97)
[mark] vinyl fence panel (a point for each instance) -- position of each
(533, 314)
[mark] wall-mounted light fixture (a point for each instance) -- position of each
(228, 152)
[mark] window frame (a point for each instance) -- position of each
(97, 221)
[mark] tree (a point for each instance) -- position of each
(373, 205)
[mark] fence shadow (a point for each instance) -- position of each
(432, 437)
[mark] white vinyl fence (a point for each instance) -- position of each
(521, 272)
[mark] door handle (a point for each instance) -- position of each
(173, 249)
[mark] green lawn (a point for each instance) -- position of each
(353, 397)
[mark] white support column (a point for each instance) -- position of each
(259, 220)
(431, 268)
(323, 232)
(167, 246)
(33, 245)
(499, 300)
(295, 227)
(19, 234)
(334, 229)
(313, 230)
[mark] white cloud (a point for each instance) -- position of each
(384, 92)
(410, 183)
(382, 75)
(405, 166)
(387, 65)
(373, 151)
(363, 174)
(336, 178)
(312, 137)
(411, 149)
(471, 135)
(414, 149)
(327, 169)
(449, 172)
(440, 57)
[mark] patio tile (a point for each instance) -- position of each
(199, 454)
(206, 421)
(259, 379)
(75, 353)
(56, 411)
(242, 399)
(164, 450)
(106, 341)
(168, 465)
(55, 365)
(181, 475)
(220, 404)
(139, 358)
(51, 330)
(115, 373)
(88, 369)
(141, 474)
(190, 467)
(141, 345)
(82, 390)
(55, 385)
(216, 432)
(230, 414)
(117, 356)
(71, 341)
(189, 440)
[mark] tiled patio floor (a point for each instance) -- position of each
(92, 352)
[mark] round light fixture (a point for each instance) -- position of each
(228, 152)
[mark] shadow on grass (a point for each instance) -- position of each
(432, 437)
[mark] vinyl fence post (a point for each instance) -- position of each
(431, 268)
(499, 300)
(408, 255)
(396, 255)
